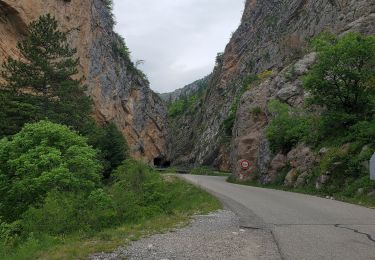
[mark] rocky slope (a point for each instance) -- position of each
(285, 43)
(188, 90)
(120, 92)
(273, 35)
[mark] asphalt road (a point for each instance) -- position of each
(303, 226)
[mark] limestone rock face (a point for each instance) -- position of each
(188, 90)
(119, 92)
(272, 36)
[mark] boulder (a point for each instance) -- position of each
(291, 178)
(346, 147)
(301, 158)
(323, 179)
(371, 195)
(301, 180)
(360, 191)
(303, 65)
(278, 162)
(323, 151)
(289, 91)
(366, 165)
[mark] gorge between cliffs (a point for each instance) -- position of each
(263, 158)
(271, 42)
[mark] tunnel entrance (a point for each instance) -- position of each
(161, 162)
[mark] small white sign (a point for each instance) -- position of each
(372, 167)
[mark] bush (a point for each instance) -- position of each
(42, 157)
(334, 161)
(67, 212)
(363, 132)
(256, 111)
(343, 78)
(111, 145)
(9, 234)
(138, 191)
(177, 107)
(289, 126)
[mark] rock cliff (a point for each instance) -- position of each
(188, 90)
(278, 33)
(273, 35)
(119, 91)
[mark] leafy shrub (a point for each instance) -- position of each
(138, 191)
(249, 81)
(187, 103)
(44, 156)
(219, 59)
(120, 49)
(111, 146)
(363, 132)
(346, 170)
(256, 111)
(289, 126)
(67, 212)
(177, 108)
(333, 156)
(343, 78)
(9, 233)
(363, 182)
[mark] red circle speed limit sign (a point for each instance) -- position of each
(245, 164)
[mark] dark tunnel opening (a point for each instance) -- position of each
(161, 162)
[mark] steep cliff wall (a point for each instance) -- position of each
(182, 136)
(120, 92)
(272, 35)
(279, 35)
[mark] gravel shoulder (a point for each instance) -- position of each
(214, 236)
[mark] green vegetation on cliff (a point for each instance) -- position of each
(343, 83)
(338, 119)
(187, 104)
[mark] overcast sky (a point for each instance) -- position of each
(178, 39)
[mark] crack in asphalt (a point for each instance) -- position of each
(369, 237)
(356, 231)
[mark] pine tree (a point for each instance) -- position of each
(41, 83)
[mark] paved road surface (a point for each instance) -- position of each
(304, 227)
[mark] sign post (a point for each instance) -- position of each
(372, 167)
(245, 164)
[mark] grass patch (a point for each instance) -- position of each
(207, 171)
(80, 245)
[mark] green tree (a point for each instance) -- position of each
(112, 145)
(289, 126)
(343, 79)
(42, 83)
(44, 157)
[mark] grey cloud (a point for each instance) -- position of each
(178, 39)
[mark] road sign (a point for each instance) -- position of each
(372, 167)
(245, 164)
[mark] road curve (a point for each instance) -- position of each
(304, 227)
